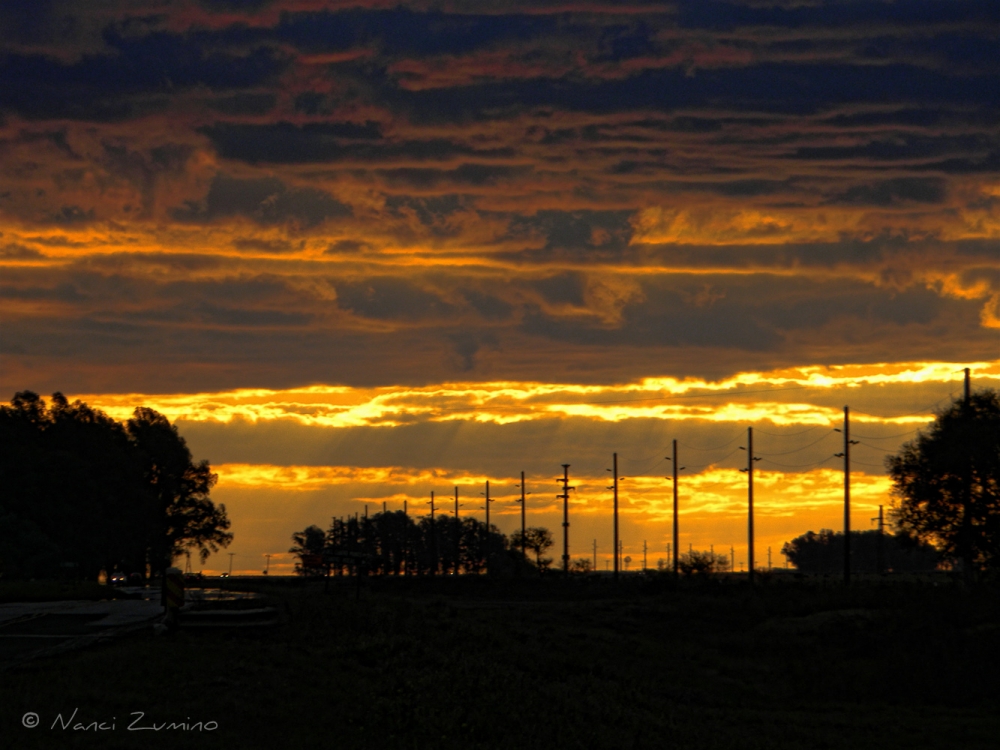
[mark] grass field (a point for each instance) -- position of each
(553, 664)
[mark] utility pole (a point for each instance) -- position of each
(488, 501)
(879, 562)
(231, 562)
(456, 503)
(966, 535)
(434, 562)
(677, 468)
(732, 559)
(406, 539)
(267, 568)
(644, 555)
(366, 511)
(614, 486)
(384, 506)
(847, 491)
(523, 504)
(565, 498)
(486, 505)
(595, 555)
(749, 470)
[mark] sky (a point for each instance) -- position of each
(363, 251)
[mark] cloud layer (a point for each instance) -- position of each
(216, 196)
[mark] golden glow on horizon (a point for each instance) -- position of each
(270, 502)
(506, 402)
(715, 491)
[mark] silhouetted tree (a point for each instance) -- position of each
(536, 538)
(946, 483)
(310, 546)
(82, 492)
(824, 552)
(180, 515)
(393, 543)
(697, 563)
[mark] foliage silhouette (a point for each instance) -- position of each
(947, 483)
(824, 553)
(538, 539)
(83, 493)
(697, 563)
(392, 543)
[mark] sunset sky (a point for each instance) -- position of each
(363, 251)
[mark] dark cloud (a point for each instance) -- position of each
(244, 104)
(237, 6)
(15, 251)
(125, 82)
(432, 212)
(284, 143)
(729, 16)
(596, 234)
(889, 192)
(266, 246)
(347, 246)
(899, 147)
(563, 289)
(464, 175)
(69, 215)
(746, 188)
(488, 306)
(391, 299)
(266, 200)
(467, 344)
(402, 31)
(144, 170)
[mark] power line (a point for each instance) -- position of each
(713, 448)
(797, 466)
(718, 460)
(908, 414)
(810, 445)
(889, 437)
(875, 447)
(791, 434)
(644, 472)
(878, 466)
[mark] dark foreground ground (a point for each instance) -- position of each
(541, 664)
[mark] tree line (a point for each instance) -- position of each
(394, 543)
(82, 493)
(871, 552)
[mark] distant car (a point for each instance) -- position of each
(224, 575)
(118, 580)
